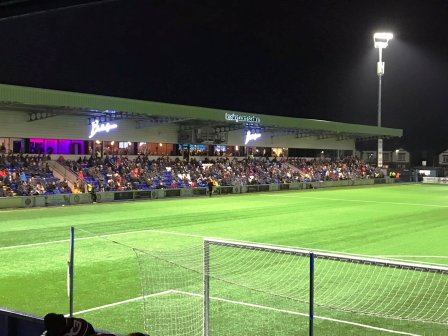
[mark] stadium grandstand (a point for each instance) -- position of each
(119, 144)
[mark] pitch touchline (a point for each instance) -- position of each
(243, 304)
(361, 201)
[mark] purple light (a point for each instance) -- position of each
(74, 147)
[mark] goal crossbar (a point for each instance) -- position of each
(330, 256)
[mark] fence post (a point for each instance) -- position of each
(311, 308)
(71, 269)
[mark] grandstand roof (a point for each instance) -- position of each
(42, 103)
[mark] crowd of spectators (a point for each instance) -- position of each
(26, 175)
(117, 173)
(349, 168)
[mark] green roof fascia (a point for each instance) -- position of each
(330, 126)
(56, 98)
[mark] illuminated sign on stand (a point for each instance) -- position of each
(96, 127)
(251, 136)
(242, 118)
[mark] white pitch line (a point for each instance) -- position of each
(199, 236)
(413, 261)
(34, 244)
(299, 314)
(411, 256)
(359, 201)
(100, 236)
(121, 302)
(28, 209)
(367, 326)
(247, 305)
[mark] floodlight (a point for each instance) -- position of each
(381, 39)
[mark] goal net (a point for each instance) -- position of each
(172, 290)
(233, 288)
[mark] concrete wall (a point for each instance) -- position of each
(102, 197)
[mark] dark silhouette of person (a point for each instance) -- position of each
(58, 325)
(91, 191)
(210, 185)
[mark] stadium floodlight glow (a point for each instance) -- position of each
(381, 41)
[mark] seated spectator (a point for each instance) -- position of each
(76, 190)
(58, 325)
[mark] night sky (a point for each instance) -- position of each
(309, 59)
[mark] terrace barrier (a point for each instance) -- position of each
(14, 323)
(435, 180)
(109, 196)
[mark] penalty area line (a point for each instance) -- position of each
(243, 304)
(299, 314)
(120, 302)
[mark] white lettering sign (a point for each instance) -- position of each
(96, 127)
(242, 118)
(250, 136)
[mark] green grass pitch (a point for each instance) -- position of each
(405, 222)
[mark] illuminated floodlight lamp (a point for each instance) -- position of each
(381, 40)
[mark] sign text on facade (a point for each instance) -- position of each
(242, 118)
(96, 127)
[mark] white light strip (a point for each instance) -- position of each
(96, 127)
(250, 137)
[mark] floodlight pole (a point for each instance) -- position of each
(380, 72)
(381, 41)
